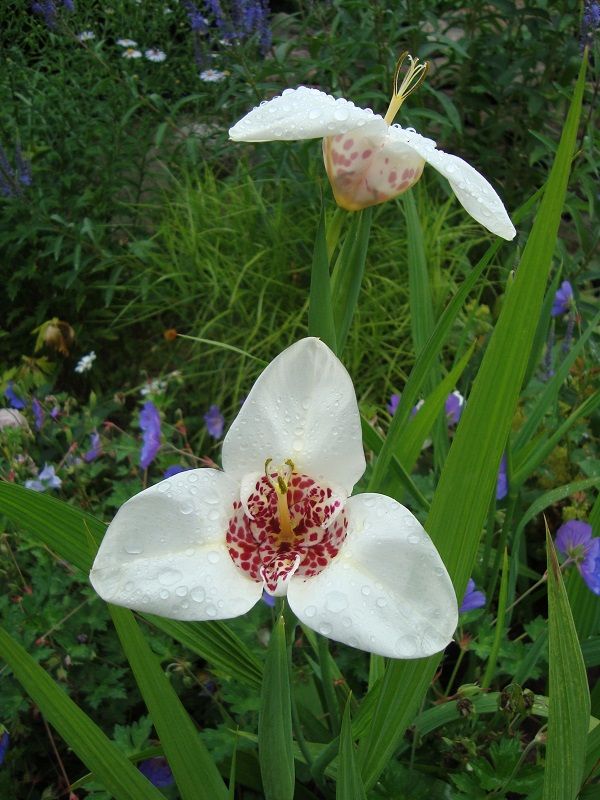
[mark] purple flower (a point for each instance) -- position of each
(55, 413)
(455, 403)
(590, 22)
(4, 742)
(46, 479)
(38, 413)
(157, 771)
(502, 482)
(563, 299)
(12, 397)
(174, 469)
(215, 422)
(198, 23)
(95, 449)
(11, 180)
(392, 406)
(473, 598)
(574, 539)
(150, 425)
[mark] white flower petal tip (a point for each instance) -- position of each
(302, 408)
(387, 592)
(304, 113)
(164, 553)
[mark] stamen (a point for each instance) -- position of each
(414, 77)
(280, 484)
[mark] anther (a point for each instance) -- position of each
(414, 77)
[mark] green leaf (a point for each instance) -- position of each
(320, 312)
(490, 668)
(348, 274)
(98, 753)
(275, 740)
(194, 771)
(74, 536)
(468, 479)
(569, 696)
(349, 784)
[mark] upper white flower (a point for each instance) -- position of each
(204, 544)
(86, 362)
(368, 159)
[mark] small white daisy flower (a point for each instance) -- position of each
(86, 36)
(85, 362)
(212, 75)
(154, 54)
(156, 386)
(126, 43)
(131, 53)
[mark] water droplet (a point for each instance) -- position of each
(186, 508)
(297, 445)
(198, 594)
(213, 557)
(336, 602)
(169, 576)
(325, 628)
(192, 477)
(164, 594)
(129, 586)
(341, 114)
(185, 604)
(181, 591)
(213, 514)
(310, 611)
(347, 622)
(145, 599)
(439, 571)
(406, 646)
(211, 610)
(366, 590)
(381, 602)
(133, 549)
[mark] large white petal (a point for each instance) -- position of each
(473, 191)
(303, 407)
(304, 113)
(165, 551)
(387, 591)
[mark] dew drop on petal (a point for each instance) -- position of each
(181, 591)
(186, 508)
(164, 594)
(169, 576)
(336, 602)
(198, 594)
(133, 549)
(211, 610)
(213, 557)
(366, 590)
(325, 628)
(310, 611)
(129, 586)
(381, 602)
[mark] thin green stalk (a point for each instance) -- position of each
(328, 688)
(459, 661)
(493, 657)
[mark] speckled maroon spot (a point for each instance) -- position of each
(254, 542)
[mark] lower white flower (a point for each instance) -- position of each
(367, 158)
(204, 544)
(212, 75)
(131, 52)
(154, 54)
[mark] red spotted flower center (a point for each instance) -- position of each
(290, 525)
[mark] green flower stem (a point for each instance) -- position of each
(459, 661)
(328, 687)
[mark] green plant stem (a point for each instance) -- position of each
(489, 536)
(459, 661)
(328, 688)
(513, 497)
(322, 761)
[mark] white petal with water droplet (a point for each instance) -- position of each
(304, 113)
(305, 395)
(388, 580)
(168, 543)
(473, 191)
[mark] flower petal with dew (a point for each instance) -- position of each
(154, 54)
(126, 42)
(150, 425)
(574, 539)
(215, 422)
(563, 299)
(204, 544)
(367, 158)
(473, 598)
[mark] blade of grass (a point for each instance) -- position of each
(490, 667)
(461, 500)
(320, 313)
(349, 784)
(112, 769)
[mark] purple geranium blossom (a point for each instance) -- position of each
(158, 771)
(392, 406)
(46, 479)
(150, 425)
(502, 482)
(455, 403)
(574, 539)
(473, 598)
(12, 397)
(38, 413)
(215, 422)
(95, 449)
(4, 742)
(563, 299)
(174, 469)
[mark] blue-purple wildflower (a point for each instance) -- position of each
(502, 481)
(4, 743)
(46, 479)
(215, 422)
(392, 406)
(473, 598)
(38, 414)
(157, 771)
(590, 22)
(95, 449)
(48, 9)
(12, 179)
(150, 425)
(563, 299)
(574, 539)
(198, 22)
(55, 413)
(13, 398)
(454, 406)
(174, 469)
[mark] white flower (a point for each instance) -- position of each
(86, 36)
(154, 54)
(11, 418)
(154, 386)
(367, 158)
(203, 544)
(131, 53)
(126, 43)
(212, 75)
(85, 362)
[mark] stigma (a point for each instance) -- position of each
(415, 75)
(280, 483)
